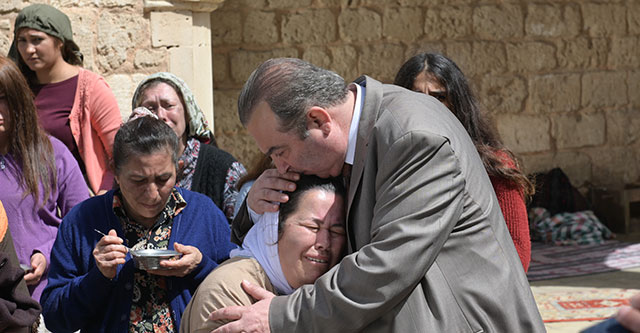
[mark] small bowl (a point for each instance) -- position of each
(149, 259)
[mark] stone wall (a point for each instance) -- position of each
(560, 78)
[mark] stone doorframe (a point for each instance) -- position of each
(184, 27)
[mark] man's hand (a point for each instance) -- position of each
(267, 189)
(109, 253)
(250, 319)
(191, 258)
(629, 317)
(38, 266)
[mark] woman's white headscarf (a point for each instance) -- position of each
(261, 243)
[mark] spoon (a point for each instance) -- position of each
(103, 234)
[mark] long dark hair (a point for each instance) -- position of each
(28, 142)
(465, 108)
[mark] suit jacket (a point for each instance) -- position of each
(429, 249)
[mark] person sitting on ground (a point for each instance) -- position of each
(206, 168)
(93, 283)
(280, 253)
(40, 181)
(440, 77)
(74, 105)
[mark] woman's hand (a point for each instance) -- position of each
(109, 253)
(191, 258)
(38, 266)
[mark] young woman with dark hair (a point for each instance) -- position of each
(74, 105)
(440, 77)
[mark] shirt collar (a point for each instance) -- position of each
(355, 121)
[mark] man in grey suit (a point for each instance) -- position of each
(429, 250)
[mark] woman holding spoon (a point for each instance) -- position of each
(94, 285)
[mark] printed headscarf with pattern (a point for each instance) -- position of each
(198, 126)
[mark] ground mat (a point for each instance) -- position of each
(581, 305)
(556, 261)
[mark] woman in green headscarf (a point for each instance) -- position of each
(205, 168)
(74, 105)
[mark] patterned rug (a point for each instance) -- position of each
(555, 261)
(581, 305)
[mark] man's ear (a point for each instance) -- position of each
(180, 164)
(319, 118)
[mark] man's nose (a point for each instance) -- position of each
(281, 165)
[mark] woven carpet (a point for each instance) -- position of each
(555, 261)
(582, 305)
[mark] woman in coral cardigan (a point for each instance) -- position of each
(438, 76)
(74, 105)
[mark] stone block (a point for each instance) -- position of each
(296, 27)
(113, 3)
(633, 86)
(633, 17)
(84, 34)
(260, 28)
(413, 49)
(171, 28)
(581, 130)
(402, 23)
(583, 53)
(149, 60)
(243, 4)
(123, 87)
(524, 133)
(623, 127)
(6, 35)
(527, 57)
(601, 89)
(462, 54)
(486, 57)
(12, 5)
(575, 164)
(624, 53)
(603, 19)
(226, 112)
(555, 93)
(118, 35)
(382, 61)
(288, 4)
(220, 67)
(613, 166)
(497, 22)
(243, 62)
(226, 27)
(549, 20)
(447, 22)
(318, 56)
(345, 61)
(423, 3)
(501, 94)
(359, 24)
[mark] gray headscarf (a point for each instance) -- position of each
(47, 19)
(198, 126)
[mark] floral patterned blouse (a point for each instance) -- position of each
(150, 311)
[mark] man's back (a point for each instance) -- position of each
(429, 247)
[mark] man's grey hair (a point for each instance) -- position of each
(290, 87)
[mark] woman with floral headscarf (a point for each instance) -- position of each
(74, 105)
(205, 168)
